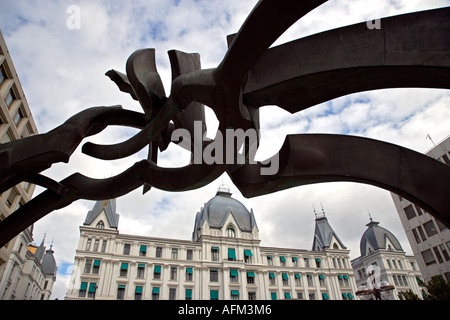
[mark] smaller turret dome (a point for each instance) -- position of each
(378, 238)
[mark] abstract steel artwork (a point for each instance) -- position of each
(410, 50)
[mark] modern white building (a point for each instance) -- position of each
(382, 253)
(223, 260)
(428, 237)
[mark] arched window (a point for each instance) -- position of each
(231, 233)
(100, 225)
(335, 246)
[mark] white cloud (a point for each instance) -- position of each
(62, 73)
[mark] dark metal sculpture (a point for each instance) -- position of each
(410, 50)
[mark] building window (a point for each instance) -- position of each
(299, 295)
(430, 228)
(123, 269)
(120, 291)
(231, 254)
(188, 294)
(234, 275)
(309, 280)
(248, 256)
(88, 244)
(103, 245)
(416, 235)
(438, 254)
(428, 257)
(155, 293)
(250, 277)
(3, 75)
(87, 266)
(126, 248)
(158, 252)
(306, 260)
(422, 234)
(18, 117)
(215, 253)
(82, 291)
(157, 272)
(174, 253)
(143, 250)
(409, 212)
(321, 280)
(287, 295)
(252, 296)
(298, 279)
(189, 254)
(213, 275)
(189, 274)
(100, 225)
(269, 261)
(96, 243)
(96, 267)
(273, 295)
(172, 293)
(10, 97)
(285, 278)
(272, 278)
(214, 294)
(312, 296)
(295, 261)
(92, 289)
(234, 295)
(140, 270)
(318, 262)
(444, 252)
(282, 261)
(231, 233)
(138, 293)
(173, 273)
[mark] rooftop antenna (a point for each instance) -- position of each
(370, 216)
(314, 209)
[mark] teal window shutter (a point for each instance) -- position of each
(138, 289)
(231, 254)
(214, 294)
(285, 276)
(121, 286)
(350, 295)
(141, 265)
(321, 276)
(287, 295)
(157, 269)
(250, 274)
(318, 260)
(297, 276)
(83, 286)
(345, 276)
(215, 248)
(96, 263)
(92, 287)
(188, 293)
(325, 296)
(344, 295)
(188, 270)
(124, 266)
(234, 273)
(235, 292)
(143, 248)
(282, 259)
(294, 258)
(156, 290)
(248, 253)
(272, 275)
(273, 295)
(340, 276)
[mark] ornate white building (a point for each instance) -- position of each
(381, 252)
(224, 260)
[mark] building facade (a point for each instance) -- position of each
(223, 261)
(21, 274)
(382, 253)
(429, 238)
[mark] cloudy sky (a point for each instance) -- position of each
(62, 72)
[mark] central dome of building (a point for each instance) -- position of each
(216, 211)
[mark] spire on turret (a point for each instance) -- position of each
(324, 235)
